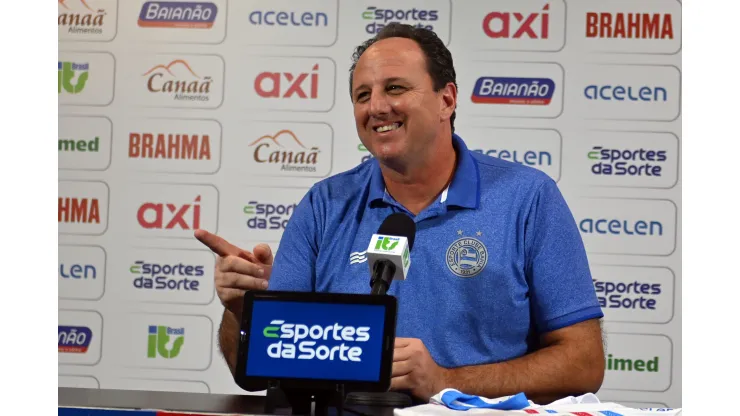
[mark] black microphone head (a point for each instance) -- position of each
(400, 225)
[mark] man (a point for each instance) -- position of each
(499, 298)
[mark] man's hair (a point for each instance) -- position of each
(438, 57)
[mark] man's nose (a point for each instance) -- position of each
(379, 104)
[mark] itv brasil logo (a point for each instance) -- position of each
(159, 339)
(292, 337)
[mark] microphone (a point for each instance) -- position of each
(388, 252)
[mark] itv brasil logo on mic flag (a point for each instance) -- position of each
(391, 248)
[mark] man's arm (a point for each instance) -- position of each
(570, 362)
(228, 339)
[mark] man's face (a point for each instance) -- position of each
(397, 112)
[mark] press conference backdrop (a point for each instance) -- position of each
(221, 114)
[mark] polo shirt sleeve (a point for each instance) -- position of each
(294, 268)
(557, 270)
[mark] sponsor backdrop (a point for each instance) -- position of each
(221, 114)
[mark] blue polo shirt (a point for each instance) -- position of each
(497, 258)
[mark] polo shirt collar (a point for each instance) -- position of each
(463, 191)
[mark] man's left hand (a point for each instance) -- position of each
(414, 369)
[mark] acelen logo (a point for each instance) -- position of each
(174, 210)
(170, 14)
(508, 25)
(81, 272)
(513, 91)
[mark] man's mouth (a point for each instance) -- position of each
(382, 129)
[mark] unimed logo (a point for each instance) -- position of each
(292, 337)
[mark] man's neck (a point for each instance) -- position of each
(417, 187)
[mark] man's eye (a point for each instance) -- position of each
(361, 96)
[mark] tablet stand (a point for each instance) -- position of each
(300, 400)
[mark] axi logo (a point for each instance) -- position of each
(175, 217)
(416, 17)
(72, 76)
(79, 210)
(159, 337)
(171, 14)
(386, 243)
(287, 84)
(515, 91)
(178, 80)
(80, 18)
(174, 277)
(606, 25)
(626, 162)
(293, 333)
(180, 146)
(268, 216)
(74, 339)
(505, 25)
(285, 149)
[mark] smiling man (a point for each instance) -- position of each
(499, 298)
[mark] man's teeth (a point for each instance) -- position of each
(388, 127)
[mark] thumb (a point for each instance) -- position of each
(263, 252)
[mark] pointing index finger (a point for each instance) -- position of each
(217, 244)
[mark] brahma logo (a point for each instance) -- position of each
(287, 151)
(180, 81)
(513, 91)
(87, 19)
(604, 25)
(627, 26)
(74, 339)
(169, 146)
(174, 210)
(174, 145)
(170, 14)
(82, 207)
(293, 334)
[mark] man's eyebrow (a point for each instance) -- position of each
(386, 81)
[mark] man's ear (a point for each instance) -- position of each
(449, 101)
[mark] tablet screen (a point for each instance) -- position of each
(314, 340)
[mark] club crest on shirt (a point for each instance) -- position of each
(466, 256)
